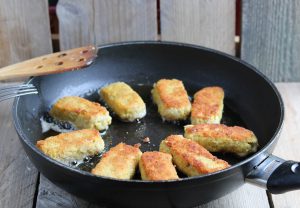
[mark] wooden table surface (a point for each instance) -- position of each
(21, 185)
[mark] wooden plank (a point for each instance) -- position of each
(18, 176)
(105, 21)
(76, 23)
(248, 196)
(289, 143)
(210, 23)
(24, 30)
(125, 20)
(51, 196)
(270, 37)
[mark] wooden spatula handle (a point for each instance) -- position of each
(52, 63)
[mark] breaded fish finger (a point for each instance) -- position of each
(190, 157)
(172, 99)
(72, 146)
(208, 105)
(119, 162)
(124, 101)
(157, 166)
(222, 138)
(82, 113)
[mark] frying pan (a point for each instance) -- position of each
(251, 101)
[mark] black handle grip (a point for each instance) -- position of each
(285, 178)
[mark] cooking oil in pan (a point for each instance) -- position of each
(49, 123)
(151, 126)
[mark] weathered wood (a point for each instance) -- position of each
(76, 23)
(289, 143)
(247, 196)
(50, 196)
(105, 21)
(24, 30)
(209, 23)
(124, 20)
(18, 176)
(270, 37)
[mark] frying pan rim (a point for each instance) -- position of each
(26, 140)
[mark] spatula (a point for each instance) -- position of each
(63, 61)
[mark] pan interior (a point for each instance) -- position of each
(151, 126)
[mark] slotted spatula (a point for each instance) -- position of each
(52, 63)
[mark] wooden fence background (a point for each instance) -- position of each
(270, 29)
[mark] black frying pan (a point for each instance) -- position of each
(251, 101)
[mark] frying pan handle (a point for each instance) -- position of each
(285, 178)
(276, 175)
